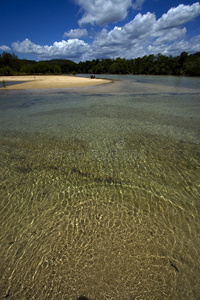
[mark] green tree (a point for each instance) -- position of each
(192, 67)
(6, 71)
(114, 68)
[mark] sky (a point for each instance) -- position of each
(81, 30)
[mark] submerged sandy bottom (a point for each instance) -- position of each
(111, 229)
(99, 196)
(50, 82)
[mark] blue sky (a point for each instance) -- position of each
(88, 29)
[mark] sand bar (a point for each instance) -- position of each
(50, 82)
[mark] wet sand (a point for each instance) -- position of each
(50, 82)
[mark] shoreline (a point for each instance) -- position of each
(49, 82)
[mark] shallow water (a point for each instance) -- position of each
(100, 191)
(7, 83)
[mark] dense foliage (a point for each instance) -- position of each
(159, 64)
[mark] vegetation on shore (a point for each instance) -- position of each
(159, 64)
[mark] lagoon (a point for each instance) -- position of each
(100, 190)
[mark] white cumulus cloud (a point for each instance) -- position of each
(138, 28)
(103, 12)
(137, 4)
(4, 48)
(143, 35)
(179, 15)
(170, 35)
(180, 46)
(74, 49)
(75, 33)
(175, 48)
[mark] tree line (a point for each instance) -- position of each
(159, 64)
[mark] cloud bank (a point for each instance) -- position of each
(71, 49)
(141, 36)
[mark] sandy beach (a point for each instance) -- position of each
(49, 82)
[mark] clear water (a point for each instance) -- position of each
(99, 191)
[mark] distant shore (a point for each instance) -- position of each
(49, 82)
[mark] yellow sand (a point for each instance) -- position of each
(50, 82)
